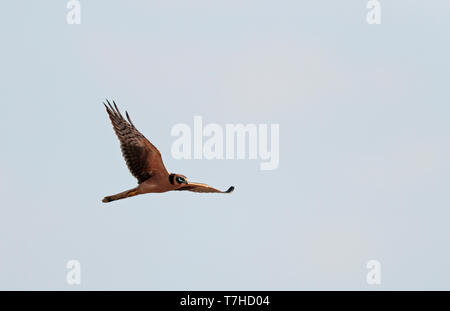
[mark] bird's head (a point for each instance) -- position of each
(178, 179)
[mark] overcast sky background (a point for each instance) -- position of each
(364, 144)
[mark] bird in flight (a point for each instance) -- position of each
(145, 163)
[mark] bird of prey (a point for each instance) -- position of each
(145, 163)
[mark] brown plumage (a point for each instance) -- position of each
(145, 162)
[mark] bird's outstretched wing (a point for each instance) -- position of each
(196, 187)
(142, 157)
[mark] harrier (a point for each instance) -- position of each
(145, 163)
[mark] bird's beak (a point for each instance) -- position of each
(185, 182)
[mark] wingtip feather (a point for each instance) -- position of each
(231, 189)
(111, 109)
(129, 119)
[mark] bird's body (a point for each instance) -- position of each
(145, 162)
(156, 184)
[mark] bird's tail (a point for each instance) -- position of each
(122, 195)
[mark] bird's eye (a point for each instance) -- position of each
(180, 180)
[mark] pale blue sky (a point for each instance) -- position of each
(364, 144)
